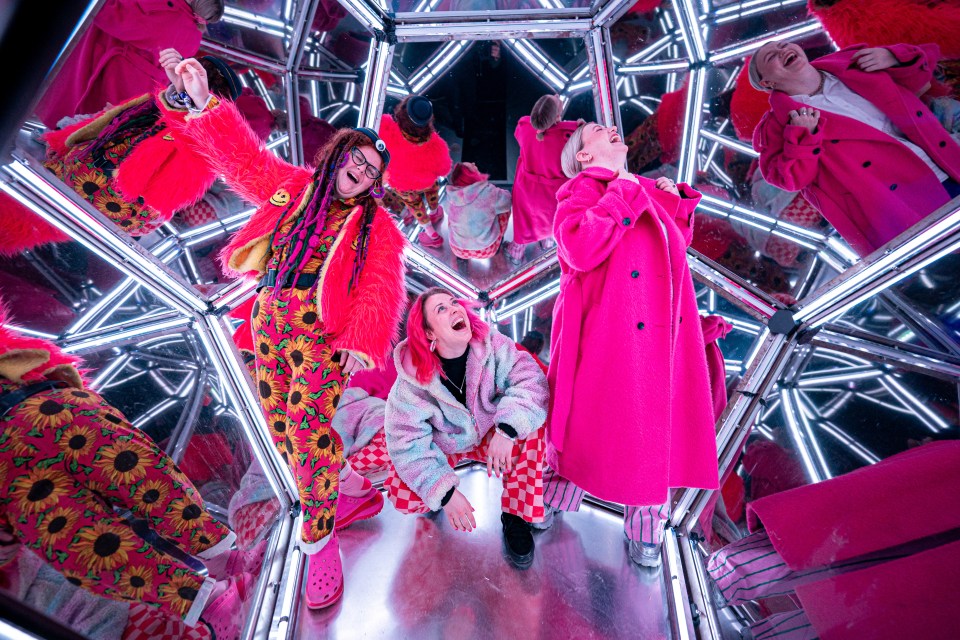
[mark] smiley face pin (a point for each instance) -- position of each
(280, 198)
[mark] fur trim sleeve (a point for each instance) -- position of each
(223, 138)
(409, 434)
(164, 169)
(21, 229)
(525, 396)
(372, 324)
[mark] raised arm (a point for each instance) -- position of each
(593, 215)
(221, 135)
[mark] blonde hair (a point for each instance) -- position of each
(568, 157)
(545, 113)
(210, 10)
(753, 73)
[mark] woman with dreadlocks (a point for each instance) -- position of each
(331, 293)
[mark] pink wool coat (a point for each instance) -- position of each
(118, 56)
(868, 185)
(631, 412)
(537, 179)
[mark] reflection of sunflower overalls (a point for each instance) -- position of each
(91, 177)
(298, 383)
(66, 458)
(420, 203)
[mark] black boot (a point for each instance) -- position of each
(518, 540)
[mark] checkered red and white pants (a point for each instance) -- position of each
(372, 457)
(522, 488)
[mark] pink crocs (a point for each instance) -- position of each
(242, 560)
(324, 581)
(437, 216)
(225, 615)
(352, 509)
(432, 242)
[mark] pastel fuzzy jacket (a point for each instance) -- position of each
(364, 319)
(118, 56)
(537, 179)
(413, 166)
(425, 423)
(478, 213)
(632, 410)
(867, 184)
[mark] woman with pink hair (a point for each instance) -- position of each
(465, 392)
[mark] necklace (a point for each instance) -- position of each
(462, 384)
(819, 86)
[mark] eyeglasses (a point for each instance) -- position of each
(358, 159)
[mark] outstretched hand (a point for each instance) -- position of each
(194, 78)
(169, 59)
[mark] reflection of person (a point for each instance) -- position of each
(850, 133)
(478, 212)
(465, 392)
(422, 158)
(126, 162)
(329, 302)
(876, 544)
(627, 299)
(67, 457)
(541, 137)
(117, 56)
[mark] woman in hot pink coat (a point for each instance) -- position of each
(541, 137)
(117, 56)
(631, 411)
(865, 181)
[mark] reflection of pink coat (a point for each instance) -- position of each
(537, 179)
(631, 413)
(867, 184)
(118, 56)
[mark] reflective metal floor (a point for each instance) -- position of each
(415, 577)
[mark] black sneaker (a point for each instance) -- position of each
(518, 540)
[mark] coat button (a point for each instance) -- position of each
(816, 151)
(640, 325)
(635, 274)
(893, 187)
(919, 114)
(626, 222)
(681, 319)
(834, 141)
(943, 143)
(867, 164)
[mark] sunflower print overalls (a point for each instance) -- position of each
(67, 458)
(298, 383)
(92, 179)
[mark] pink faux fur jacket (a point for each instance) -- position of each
(365, 319)
(413, 167)
(162, 169)
(24, 359)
